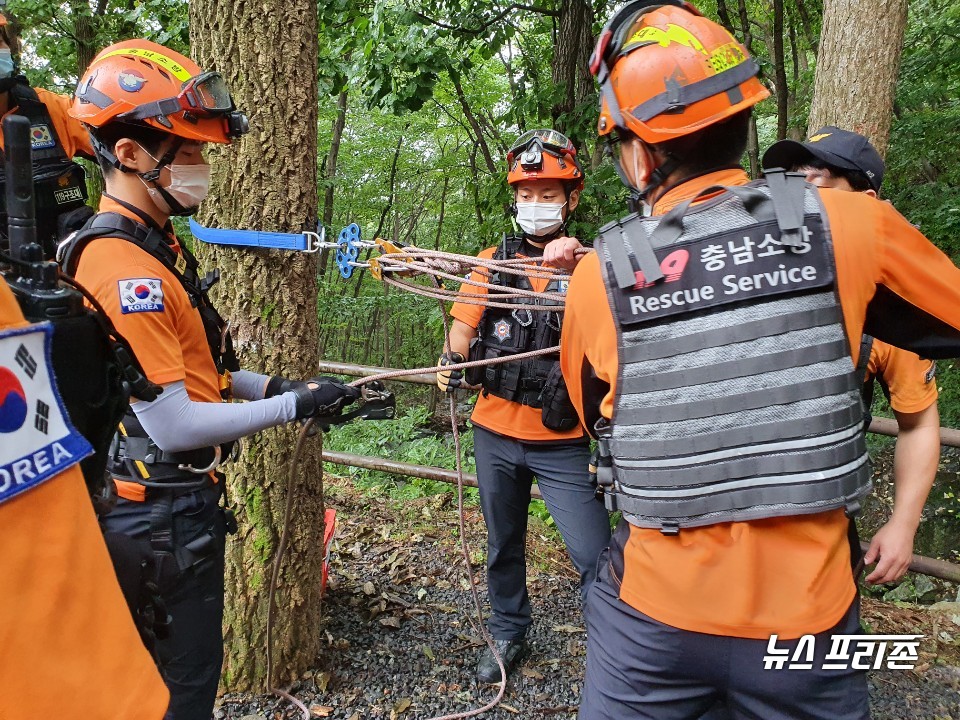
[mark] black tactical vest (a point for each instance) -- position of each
(737, 398)
(60, 189)
(134, 455)
(536, 382)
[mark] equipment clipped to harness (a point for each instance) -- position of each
(306, 241)
(96, 369)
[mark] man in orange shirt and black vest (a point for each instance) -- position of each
(524, 424)
(711, 349)
(60, 190)
(150, 111)
(845, 160)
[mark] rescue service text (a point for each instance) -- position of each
(732, 284)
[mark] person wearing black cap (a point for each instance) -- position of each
(845, 160)
(832, 157)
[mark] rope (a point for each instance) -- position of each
(441, 294)
(466, 552)
(305, 432)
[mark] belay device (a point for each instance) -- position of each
(95, 368)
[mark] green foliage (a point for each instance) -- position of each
(405, 440)
(54, 32)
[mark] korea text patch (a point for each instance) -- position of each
(140, 295)
(37, 440)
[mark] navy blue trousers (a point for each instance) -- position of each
(641, 669)
(505, 472)
(191, 656)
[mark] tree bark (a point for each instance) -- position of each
(855, 83)
(268, 181)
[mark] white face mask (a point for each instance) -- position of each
(539, 219)
(189, 186)
(7, 66)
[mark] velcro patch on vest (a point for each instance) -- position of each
(41, 138)
(37, 440)
(68, 195)
(140, 295)
(743, 264)
(502, 331)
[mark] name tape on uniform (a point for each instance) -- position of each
(37, 440)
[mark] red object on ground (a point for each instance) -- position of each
(329, 527)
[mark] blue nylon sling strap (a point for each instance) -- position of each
(304, 241)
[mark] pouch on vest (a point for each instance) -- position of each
(557, 412)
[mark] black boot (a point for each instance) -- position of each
(511, 652)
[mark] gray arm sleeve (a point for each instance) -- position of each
(177, 423)
(249, 385)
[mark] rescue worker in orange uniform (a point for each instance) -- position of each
(524, 424)
(68, 645)
(845, 160)
(711, 348)
(60, 190)
(150, 111)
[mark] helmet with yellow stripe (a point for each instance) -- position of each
(665, 71)
(141, 83)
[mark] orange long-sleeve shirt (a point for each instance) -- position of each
(789, 575)
(73, 136)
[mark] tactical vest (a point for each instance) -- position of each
(736, 396)
(134, 456)
(536, 382)
(60, 188)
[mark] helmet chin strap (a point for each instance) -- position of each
(655, 179)
(153, 177)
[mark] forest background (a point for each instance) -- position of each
(414, 106)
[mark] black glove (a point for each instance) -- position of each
(450, 380)
(318, 396)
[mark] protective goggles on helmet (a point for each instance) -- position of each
(530, 146)
(204, 95)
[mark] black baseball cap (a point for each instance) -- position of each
(840, 148)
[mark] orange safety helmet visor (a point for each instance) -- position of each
(544, 155)
(138, 81)
(666, 71)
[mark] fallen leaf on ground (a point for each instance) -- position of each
(567, 629)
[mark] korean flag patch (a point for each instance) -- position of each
(41, 137)
(37, 440)
(140, 295)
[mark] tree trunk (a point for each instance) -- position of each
(268, 181)
(855, 83)
(571, 61)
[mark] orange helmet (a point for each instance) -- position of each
(140, 82)
(544, 155)
(666, 71)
